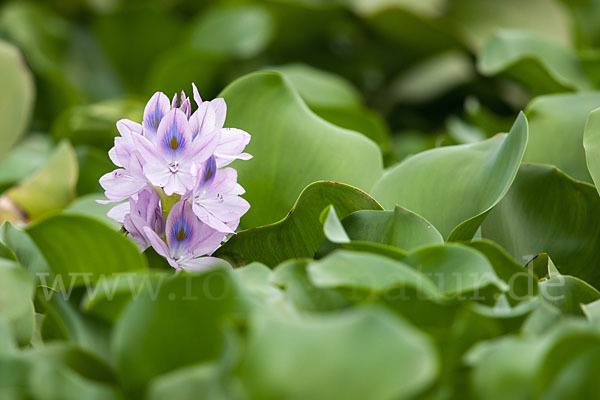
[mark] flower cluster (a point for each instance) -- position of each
(179, 197)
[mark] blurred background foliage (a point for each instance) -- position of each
(409, 74)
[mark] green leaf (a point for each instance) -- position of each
(570, 367)
(28, 255)
(547, 211)
(320, 89)
(540, 64)
(240, 31)
(591, 144)
(88, 206)
(556, 131)
(300, 233)
(454, 268)
(95, 124)
(16, 99)
(257, 287)
(179, 326)
(433, 77)
(24, 159)
(467, 179)
(16, 293)
(188, 383)
(513, 360)
(478, 20)
(400, 228)
(49, 188)
(65, 322)
(299, 290)
(371, 273)
(568, 293)
(336, 100)
(521, 283)
(80, 250)
(291, 146)
(280, 347)
(110, 295)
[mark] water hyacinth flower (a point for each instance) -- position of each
(176, 156)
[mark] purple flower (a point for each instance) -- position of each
(187, 238)
(216, 199)
(176, 156)
(168, 163)
(144, 212)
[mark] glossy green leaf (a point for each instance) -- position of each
(80, 250)
(538, 63)
(176, 338)
(291, 146)
(467, 179)
(556, 131)
(16, 100)
(280, 347)
(51, 187)
(300, 233)
(399, 228)
(547, 211)
(336, 236)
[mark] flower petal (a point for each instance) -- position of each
(155, 110)
(173, 136)
(202, 264)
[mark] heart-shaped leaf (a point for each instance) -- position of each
(292, 147)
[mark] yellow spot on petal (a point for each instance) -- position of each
(208, 174)
(181, 235)
(174, 143)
